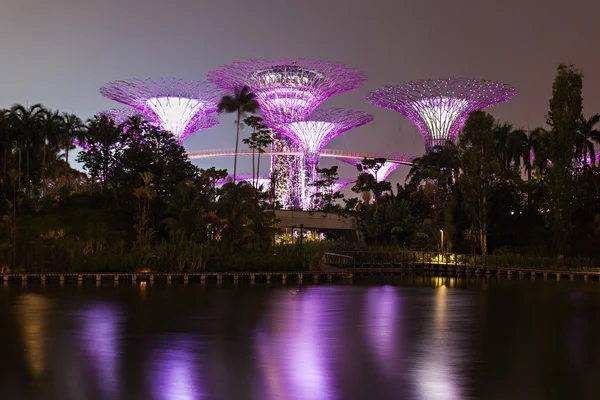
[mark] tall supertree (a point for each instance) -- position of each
(313, 134)
(287, 90)
(439, 108)
(176, 105)
(380, 174)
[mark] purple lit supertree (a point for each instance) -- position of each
(380, 174)
(342, 183)
(439, 108)
(313, 134)
(175, 105)
(288, 90)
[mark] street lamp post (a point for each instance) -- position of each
(442, 241)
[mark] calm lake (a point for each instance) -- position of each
(410, 338)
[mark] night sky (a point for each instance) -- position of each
(60, 52)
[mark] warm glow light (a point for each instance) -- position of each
(32, 312)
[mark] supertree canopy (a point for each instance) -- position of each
(342, 183)
(313, 134)
(122, 115)
(440, 107)
(288, 90)
(380, 174)
(176, 105)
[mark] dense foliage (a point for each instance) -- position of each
(499, 189)
(140, 203)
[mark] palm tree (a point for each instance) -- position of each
(587, 134)
(539, 142)
(241, 102)
(52, 124)
(72, 129)
(27, 123)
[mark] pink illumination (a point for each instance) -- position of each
(439, 108)
(102, 335)
(295, 350)
(313, 135)
(382, 319)
(288, 90)
(342, 183)
(174, 374)
(380, 175)
(176, 105)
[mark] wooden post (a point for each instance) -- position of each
(186, 279)
(268, 278)
(152, 279)
(300, 279)
(219, 279)
(203, 279)
(235, 279)
(24, 279)
(134, 279)
(329, 277)
(169, 278)
(252, 278)
(79, 278)
(283, 278)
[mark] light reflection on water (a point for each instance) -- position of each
(436, 341)
(99, 334)
(174, 371)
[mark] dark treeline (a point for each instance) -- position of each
(140, 203)
(499, 190)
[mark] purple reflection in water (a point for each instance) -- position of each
(437, 373)
(101, 335)
(381, 314)
(174, 371)
(295, 355)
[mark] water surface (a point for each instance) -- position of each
(410, 338)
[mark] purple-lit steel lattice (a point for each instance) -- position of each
(176, 105)
(287, 172)
(440, 107)
(122, 115)
(313, 134)
(288, 90)
(380, 174)
(342, 183)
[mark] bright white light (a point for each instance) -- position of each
(175, 113)
(440, 113)
(311, 135)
